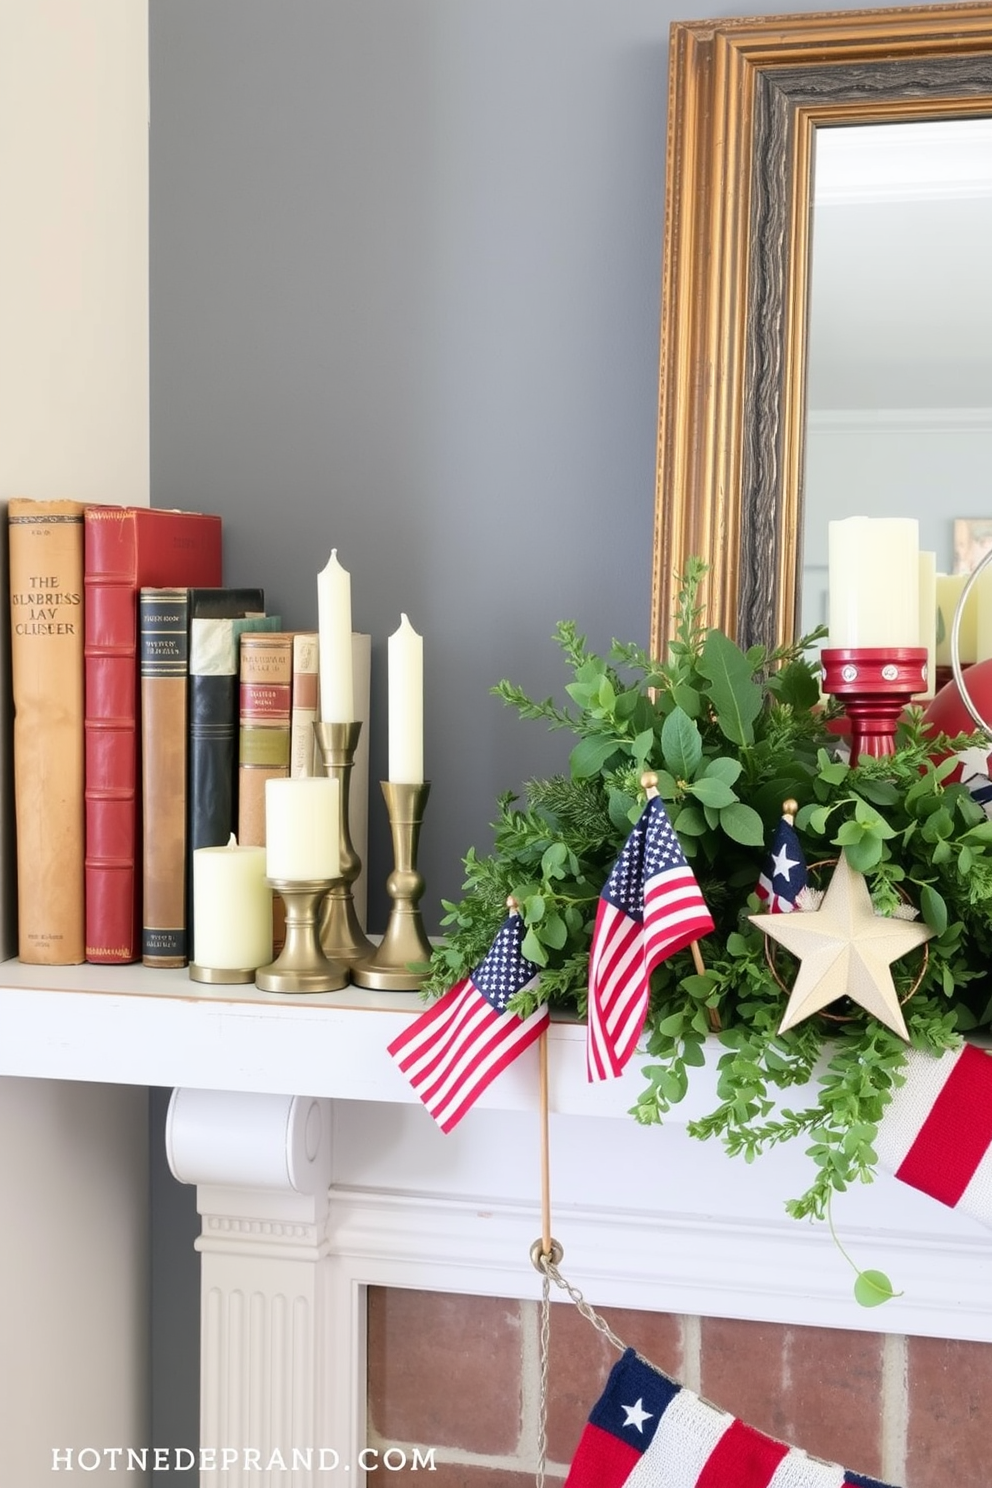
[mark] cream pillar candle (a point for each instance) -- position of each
(949, 590)
(928, 618)
(302, 829)
(232, 908)
(874, 582)
(337, 688)
(980, 607)
(406, 705)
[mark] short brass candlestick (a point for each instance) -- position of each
(405, 940)
(301, 965)
(341, 935)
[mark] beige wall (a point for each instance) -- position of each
(74, 249)
(73, 423)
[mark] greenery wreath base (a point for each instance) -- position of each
(730, 736)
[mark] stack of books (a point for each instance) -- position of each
(150, 705)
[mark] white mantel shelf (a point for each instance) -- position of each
(137, 1025)
(648, 1216)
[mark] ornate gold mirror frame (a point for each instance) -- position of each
(745, 99)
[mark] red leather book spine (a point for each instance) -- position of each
(125, 548)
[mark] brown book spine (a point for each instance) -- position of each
(46, 624)
(163, 623)
(265, 707)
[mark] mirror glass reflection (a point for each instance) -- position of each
(899, 373)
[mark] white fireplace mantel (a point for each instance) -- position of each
(269, 1088)
(701, 1232)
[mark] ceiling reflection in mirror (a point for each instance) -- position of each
(899, 371)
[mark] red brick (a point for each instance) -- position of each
(816, 1388)
(459, 1475)
(444, 1370)
(581, 1358)
(950, 1383)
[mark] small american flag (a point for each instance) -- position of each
(784, 875)
(650, 908)
(465, 1039)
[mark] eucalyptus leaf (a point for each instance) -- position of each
(723, 768)
(590, 755)
(934, 909)
(743, 824)
(872, 1288)
(712, 792)
(734, 694)
(681, 744)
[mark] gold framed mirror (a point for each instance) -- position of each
(745, 99)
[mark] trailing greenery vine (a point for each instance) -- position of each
(731, 736)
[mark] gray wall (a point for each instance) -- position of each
(405, 268)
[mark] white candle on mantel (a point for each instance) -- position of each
(928, 618)
(337, 688)
(406, 705)
(949, 591)
(874, 570)
(232, 908)
(302, 828)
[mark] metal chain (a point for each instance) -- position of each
(542, 1420)
(545, 1263)
(551, 1270)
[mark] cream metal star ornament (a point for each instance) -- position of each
(845, 950)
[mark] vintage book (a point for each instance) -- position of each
(46, 625)
(265, 705)
(218, 618)
(163, 652)
(303, 753)
(125, 548)
(8, 846)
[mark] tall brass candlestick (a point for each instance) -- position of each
(405, 940)
(301, 965)
(341, 935)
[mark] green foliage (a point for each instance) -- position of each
(730, 736)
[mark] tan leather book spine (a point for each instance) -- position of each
(266, 684)
(163, 640)
(46, 625)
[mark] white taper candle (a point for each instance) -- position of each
(337, 688)
(406, 705)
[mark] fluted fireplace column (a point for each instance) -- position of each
(261, 1165)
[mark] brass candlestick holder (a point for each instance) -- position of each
(341, 936)
(301, 965)
(405, 940)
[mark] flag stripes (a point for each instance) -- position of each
(458, 1047)
(468, 1037)
(936, 1133)
(647, 1431)
(650, 907)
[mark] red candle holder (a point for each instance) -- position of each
(875, 684)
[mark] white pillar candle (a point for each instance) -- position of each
(949, 589)
(980, 608)
(874, 582)
(232, 908)
(302, 828)
(406, 705)
(337, 688)
(928, 617)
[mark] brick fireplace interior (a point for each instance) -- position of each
(461, 1374)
